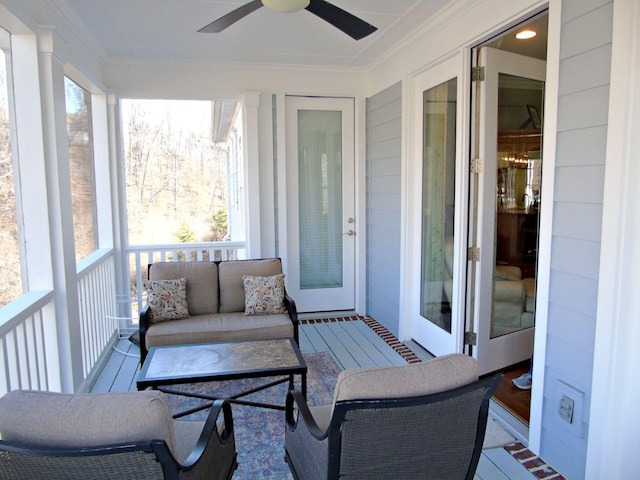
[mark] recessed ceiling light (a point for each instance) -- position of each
(525, 34)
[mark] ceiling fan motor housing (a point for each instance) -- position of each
(286, 6)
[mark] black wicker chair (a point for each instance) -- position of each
(437, 435)
(193, 450)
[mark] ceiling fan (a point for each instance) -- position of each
(348, 23)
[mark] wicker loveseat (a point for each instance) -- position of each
(217, 306)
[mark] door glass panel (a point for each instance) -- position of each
(438, 182)
(320, 198)
(519, 145)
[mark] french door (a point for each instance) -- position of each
(505, 198)
(321, 224)
(438, 226)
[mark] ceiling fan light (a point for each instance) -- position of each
(286, 6)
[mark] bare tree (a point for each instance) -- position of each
(9, 248)
(174, 175)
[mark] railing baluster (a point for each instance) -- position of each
(6, 385)
(38, 341)
(12, 354)
(30, 352)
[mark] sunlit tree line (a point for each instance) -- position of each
(176, 179)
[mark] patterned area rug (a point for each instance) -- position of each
(259, 431)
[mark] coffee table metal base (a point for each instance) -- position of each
(237, 398)
(173, 365)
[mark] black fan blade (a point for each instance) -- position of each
(231, 18)
(342, 20)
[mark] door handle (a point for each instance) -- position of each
(351, 233)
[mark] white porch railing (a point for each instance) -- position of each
(30, 352)
(30, 355)
(140, 256)
(29, 344)
(97, 307)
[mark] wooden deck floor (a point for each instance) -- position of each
(351, 344)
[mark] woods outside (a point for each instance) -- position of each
(176, 179)
(176, 176)
(9, 247)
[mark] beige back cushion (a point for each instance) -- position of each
(55, 420)
(202, 283)
(231, 286)
(424, 378)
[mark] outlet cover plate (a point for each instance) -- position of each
(566, 409)
(564, 395)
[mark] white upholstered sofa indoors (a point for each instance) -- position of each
(216, 308)
(513, 296)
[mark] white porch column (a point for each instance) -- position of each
(250, 104)
(118, 206)
(32, 201)
(51, 57)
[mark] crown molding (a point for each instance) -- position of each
(77, 30)
(252, 66)
(435, 24)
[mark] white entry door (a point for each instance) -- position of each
(505, 231)
(321, 224)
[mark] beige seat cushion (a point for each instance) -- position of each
(47, 419)
(220, 327)
(201, 283)
(230, 276)
(436, 375)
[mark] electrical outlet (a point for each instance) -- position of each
(569, 406)
(566, 409)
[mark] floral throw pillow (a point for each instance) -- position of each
(167, 299)
(263, 294)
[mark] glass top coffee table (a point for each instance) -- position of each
(206, 362)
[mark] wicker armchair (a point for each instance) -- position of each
(111, 436)
(425, 420)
